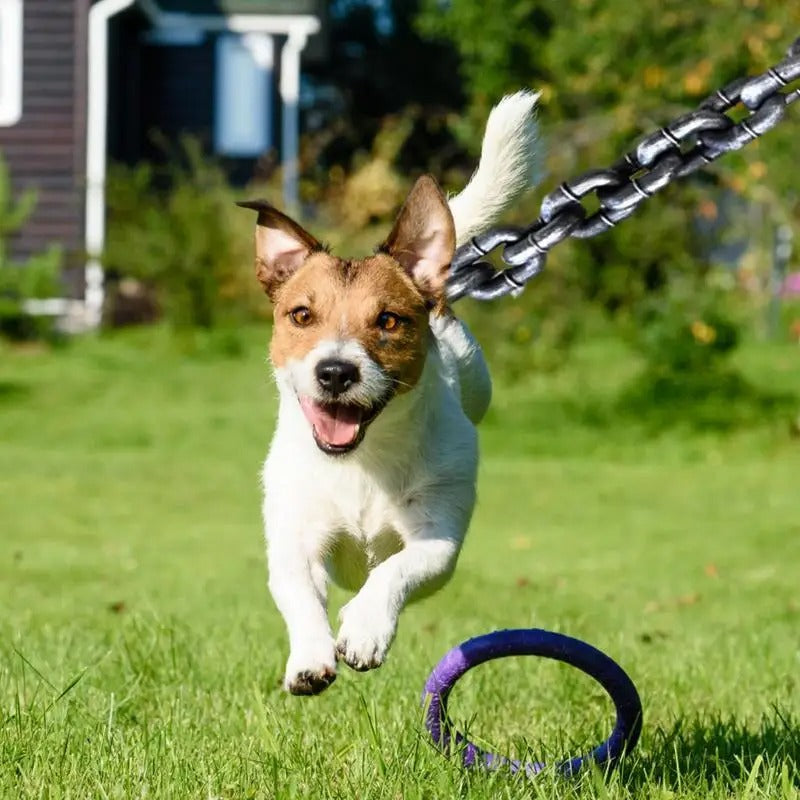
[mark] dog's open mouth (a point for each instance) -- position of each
(338, 427)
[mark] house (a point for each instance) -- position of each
(85, 81)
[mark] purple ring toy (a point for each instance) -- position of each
(532, 642)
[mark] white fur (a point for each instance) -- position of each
(388, 519)
(509, 166)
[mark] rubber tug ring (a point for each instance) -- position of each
(546, 644)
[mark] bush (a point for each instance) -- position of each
(374, 189)
(687, 334)
(36, 278)
(534, 332)
(178, 232)
(689, 328)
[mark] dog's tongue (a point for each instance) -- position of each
(335, 424)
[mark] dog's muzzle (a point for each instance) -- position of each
(340, 408)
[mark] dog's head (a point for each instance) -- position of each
(350, 334)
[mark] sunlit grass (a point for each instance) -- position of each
(140, 654)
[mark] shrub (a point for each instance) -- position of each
(687, 334)
(688, 328)
(36, 278)
(534, 332)
(375, 190)
(178, 231)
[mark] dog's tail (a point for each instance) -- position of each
(509, 166)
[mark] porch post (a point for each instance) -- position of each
(290, 96)
(96, 124)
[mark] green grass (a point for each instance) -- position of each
(140, 654)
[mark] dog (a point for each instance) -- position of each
(370, 476)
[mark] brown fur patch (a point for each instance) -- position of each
(345, 299)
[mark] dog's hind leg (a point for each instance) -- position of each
(461, 351)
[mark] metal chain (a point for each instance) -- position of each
(686, 144)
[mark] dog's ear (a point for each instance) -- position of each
(423, 239)
(281, 245)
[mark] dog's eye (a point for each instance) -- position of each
(301, 316)
(388, 321)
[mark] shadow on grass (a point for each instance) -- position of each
(696, 751)
(715, 400)
(11, 391)
(651, 404)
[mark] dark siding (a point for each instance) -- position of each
(45, 150)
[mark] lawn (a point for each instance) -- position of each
(140, 654)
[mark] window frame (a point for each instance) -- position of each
(11, 48)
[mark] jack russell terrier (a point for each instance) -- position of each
(370, 477)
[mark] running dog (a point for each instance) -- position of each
(370, 477)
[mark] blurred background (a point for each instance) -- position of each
(128, 128)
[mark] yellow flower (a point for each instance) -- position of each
(702, 332)
(696, 81)
(654, 76)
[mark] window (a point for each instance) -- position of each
(243, 96)
(10, 62)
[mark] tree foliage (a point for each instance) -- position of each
(611, 71)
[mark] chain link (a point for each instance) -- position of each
(688, 143)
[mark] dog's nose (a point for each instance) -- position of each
(336, 376)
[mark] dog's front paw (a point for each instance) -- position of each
(310, 669)
(365, 634)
